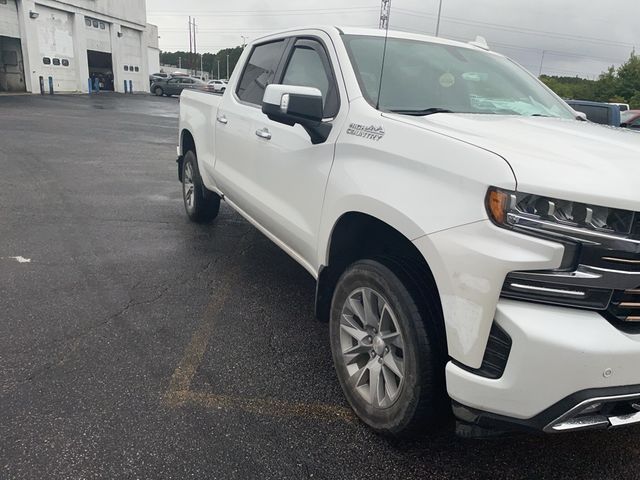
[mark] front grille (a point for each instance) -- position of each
(635, 228)
(624, 309)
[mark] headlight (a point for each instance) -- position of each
(533, 212)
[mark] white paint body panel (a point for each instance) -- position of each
(428, 178)
(556, 352)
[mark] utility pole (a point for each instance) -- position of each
(227, 66)
(195, 47)
(385, 13)
(179, 62)
(218, 69)
(439, 16)
(544, 52)
(190, 44)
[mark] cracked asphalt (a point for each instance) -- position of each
(134, 344)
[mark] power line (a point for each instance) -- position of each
(511, 29)
(262, 13)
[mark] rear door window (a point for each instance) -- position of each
(260, 71)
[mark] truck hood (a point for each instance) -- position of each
(565, 159)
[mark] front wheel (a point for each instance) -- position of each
(158, 91)
(201, 205)
(388, 365)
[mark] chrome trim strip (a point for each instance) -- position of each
(556, 291)
(568, 421)
(621, 260)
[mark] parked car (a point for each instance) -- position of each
(158, 76)
(218, 86)
(175, 85)
(475, 246)
(602, 113)
(631, 119)
(623, 106)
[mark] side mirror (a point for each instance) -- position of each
(581, 116)
(291, 105)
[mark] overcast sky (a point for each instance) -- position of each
(579, 37)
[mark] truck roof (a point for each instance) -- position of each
(376, 32)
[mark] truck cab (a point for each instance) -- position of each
(476, 246)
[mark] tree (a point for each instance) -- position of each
(629, 77)
(209, 60)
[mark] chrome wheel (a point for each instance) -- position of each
(372, 347)
(188, 186)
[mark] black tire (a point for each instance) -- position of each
(158, 91)
(205, 205)
(422, 402)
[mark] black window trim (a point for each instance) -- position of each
(316, 42)
(286, 43)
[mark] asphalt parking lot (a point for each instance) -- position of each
(134, 344)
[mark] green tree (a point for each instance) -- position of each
(629, 77)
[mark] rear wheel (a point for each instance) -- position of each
(388, 365)
(201, 205)
(158, 91)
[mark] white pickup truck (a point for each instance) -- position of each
(476, 246)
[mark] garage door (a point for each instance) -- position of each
(98, 35)
(55, 36)
(9, 19)
(132, 58)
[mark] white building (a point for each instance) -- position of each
(71, 41)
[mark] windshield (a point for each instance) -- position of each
(420, 75)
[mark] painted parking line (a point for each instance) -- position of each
(180, 394)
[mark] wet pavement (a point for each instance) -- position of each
(134, 344)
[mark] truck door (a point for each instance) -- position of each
(290, 173)
(236, 159)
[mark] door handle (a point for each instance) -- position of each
(264, 133)
(222, 119)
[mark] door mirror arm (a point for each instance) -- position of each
(291, 105)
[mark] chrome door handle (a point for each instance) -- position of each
(222, 119)
(264, 133)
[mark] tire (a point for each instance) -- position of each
(402, 352)
(158, 91)
(201, 205)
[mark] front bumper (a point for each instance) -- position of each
(562, 362)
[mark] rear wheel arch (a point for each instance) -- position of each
(187, 144)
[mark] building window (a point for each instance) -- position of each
(56, 62)
(126, 68)
(46, 61)
(87, 21)
(102, 26)
(137, 69)
(131, 68)
(96, 24)
(65, 62)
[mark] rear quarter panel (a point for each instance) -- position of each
(198, 112)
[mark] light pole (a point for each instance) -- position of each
(244, 41)
(218, 69)
(439, 15)
(227, 66)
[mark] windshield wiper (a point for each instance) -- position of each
(422, 113)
